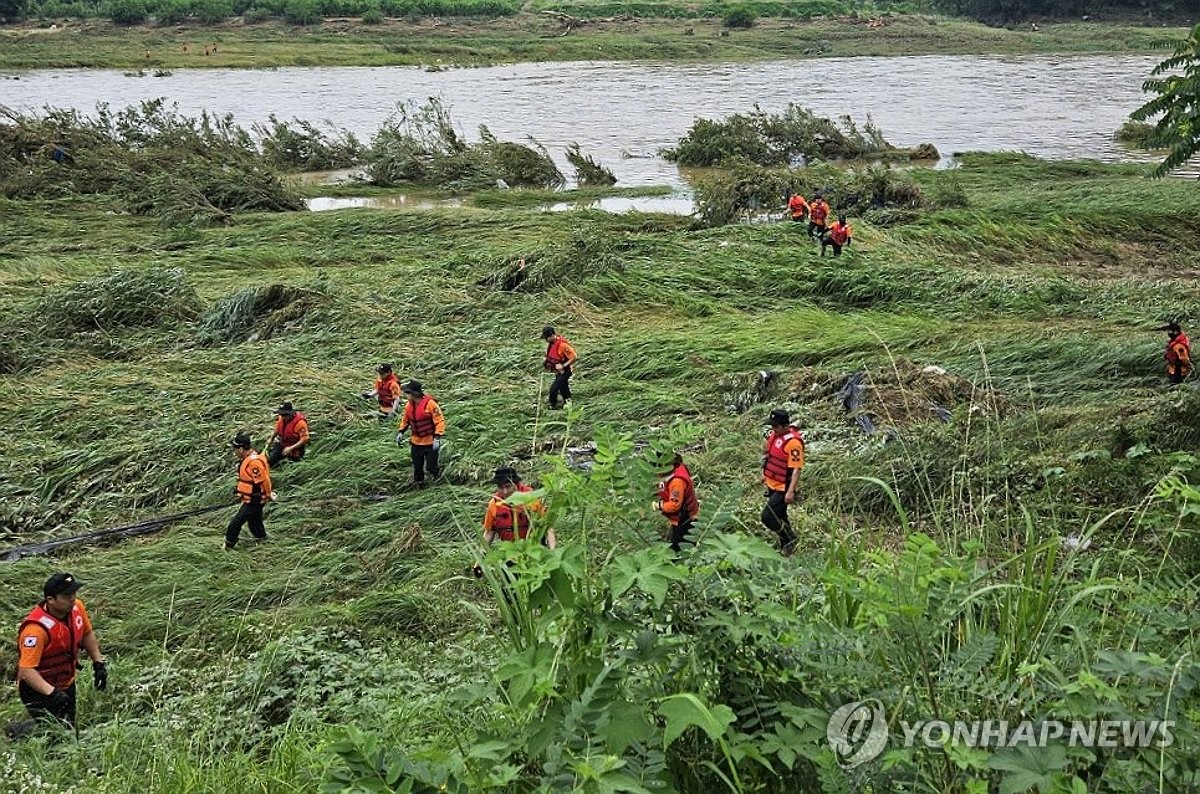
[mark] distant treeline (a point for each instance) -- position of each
(307, 12)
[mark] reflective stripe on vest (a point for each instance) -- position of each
(554, 353)
(62, 644)
(419, 420)
(776, 467)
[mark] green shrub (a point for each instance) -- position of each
(302, 12)
(172, 12)
(300, 146)
(739, 17)
(254, 15)
(372, 16)
(126, 12)
(1135, 133)
(213, 12)
(122, 299)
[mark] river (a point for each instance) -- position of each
(623, 113)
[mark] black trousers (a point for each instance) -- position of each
(276, 456)
(561, 387)
(679, 534)
(775, 518)
(815, 229)
(837, 249)
(38, 705)
(250, 513)
(424, 459)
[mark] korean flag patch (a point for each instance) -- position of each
(30, 641)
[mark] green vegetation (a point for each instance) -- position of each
(1017, 540)
(258, 42)
(1176, 83)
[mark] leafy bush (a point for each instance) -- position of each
(373, 15)
(212, 12)
(1135, 133)
(777, 139)
(302, 12)
(126, 12)
(256, 312)
(301, 146)
(122, 299)
(172, 12)
(255, 15)
(738, 17)
(588, 172)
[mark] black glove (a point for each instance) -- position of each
(100, 675)
(58, 700)
(477, 569)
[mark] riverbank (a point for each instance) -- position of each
(1011, 369)
(538, 37)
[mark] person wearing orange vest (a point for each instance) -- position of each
(423, 416)
(253, 488)
(289, 439)
(818, 213)
(797, 206)
(506, 521)
(560, 358)
(677, 501)
(49, 641)
(386, 391)
(1178, 353)
(838, 234)
(783, 458)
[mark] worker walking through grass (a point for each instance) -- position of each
(253, 488)
(797, 207)
(818, 214)
(1178, 353)
(677, 502)
(386, 392)
(289, 439)
(838, 235)
(423, 418)
(49, 641)
(783, 458)
(506, 521)
(560, 359)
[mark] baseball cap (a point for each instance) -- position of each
(285, 410)
(241, 441)
(60, 583)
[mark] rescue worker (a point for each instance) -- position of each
(818, 213)
(386, 391)
(1178, 353)
(797, 206)
(560, 359)
(505, 521)
(423, 416)
(677, 501)
(48, 641)
(289, 439)
(783, 458)
(253, 488)
(838, 234)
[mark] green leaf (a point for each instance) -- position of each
(650, 570)
(1027, 767)
(686, 710)
(626, 725)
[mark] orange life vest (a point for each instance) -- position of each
(249, 488)
(797, 205)
(502, 521)
(62, 644)
(387, 389)
(839, 233)
(1179, 353)
(818, 211)
(691, 505)
(420, 422)
(555, 354)
(776, 466)
(288, 431)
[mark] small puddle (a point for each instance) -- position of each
(672, 205)
(401, 201)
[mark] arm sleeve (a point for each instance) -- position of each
(404, 417)
(31, 643)
(674, 501)
(795, 455)
(568, 352)
(489, 517)
(302, 431)
(439, 421)
(87, 619)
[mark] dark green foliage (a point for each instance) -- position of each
(126, 12)
(302, 12)
(212, 12)
(777, 139)
(373, 15)
(258, 312)
(302, 146)
(1176, 106)
(421, 146)
(172, 12)
(738, 17)
(588, 173)
(123, 299)
(12, 10)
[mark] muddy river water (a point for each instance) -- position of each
(623, 113)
